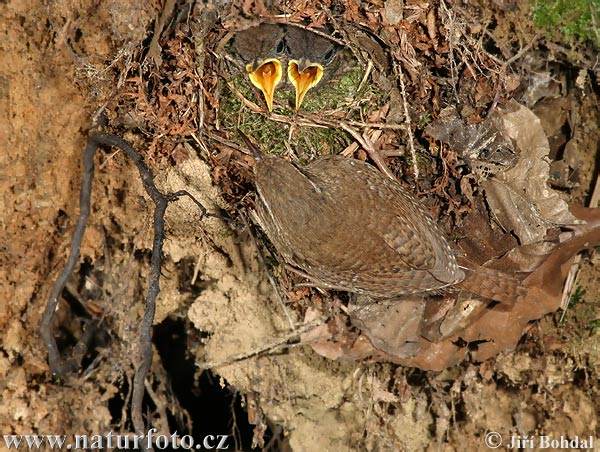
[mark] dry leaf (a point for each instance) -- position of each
(391, 325)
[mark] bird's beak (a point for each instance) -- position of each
(303, 78)
(266, 77)
(255, 151)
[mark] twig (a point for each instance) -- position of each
(377, 125)
(57, 365)
(570, 282)
(235, 431)
(574, 270)
(366, 76)
(367, 145)
(595, 198)
(448, 20)
(411, 144)
(374, 135)
(270, 348)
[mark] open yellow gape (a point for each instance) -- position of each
(266, 77)
(303, 80)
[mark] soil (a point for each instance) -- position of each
(68, 68)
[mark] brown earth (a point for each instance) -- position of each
(63, 65)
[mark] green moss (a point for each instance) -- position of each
(594, 326)
(274, 137)
(579, 326)
(333, 94)
(577, 295)
(571, 21)
(424, 120)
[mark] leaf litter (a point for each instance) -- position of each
(434, 50)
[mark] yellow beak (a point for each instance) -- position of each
(305, 79)
(266, 77)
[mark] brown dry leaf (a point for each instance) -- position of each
(321, 338)
(379, 115)
(254, 8)
(499, 329)
(481, 145)
(514, 212)
(512, 147)
(540, 85)
(391, 325)
(525, 186)
(480, 242)
(393, 11)
(526, 257)
(463, 313)
(553, 113)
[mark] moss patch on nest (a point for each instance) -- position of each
(571, 21)
(278, 137)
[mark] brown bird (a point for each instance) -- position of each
(310, 56)
(351, 228)
(261, 49)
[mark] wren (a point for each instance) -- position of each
(349, 227)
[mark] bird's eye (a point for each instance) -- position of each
(329, 55)
(281, 47)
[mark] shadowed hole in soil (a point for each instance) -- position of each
(460, 414)
(416, 377)
(79, 317)
(115, 404)
(185, 274)
(212, 408)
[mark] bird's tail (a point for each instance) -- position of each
(493, 284)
